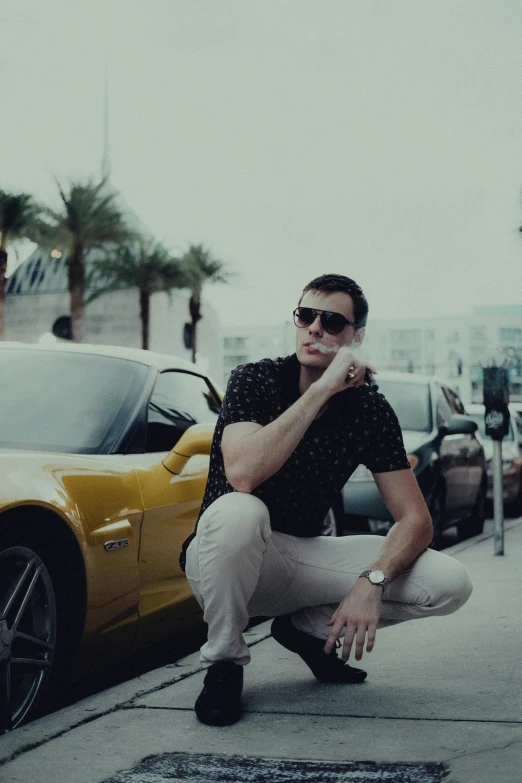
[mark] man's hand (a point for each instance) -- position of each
(359, 613)
(345, 371)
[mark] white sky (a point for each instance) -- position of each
(381, 140)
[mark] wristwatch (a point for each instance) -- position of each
(376, 577)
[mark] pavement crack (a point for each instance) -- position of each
(468, 753)
(131, 706)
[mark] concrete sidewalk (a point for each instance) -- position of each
(446, 690)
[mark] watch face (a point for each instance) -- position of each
(376, 577)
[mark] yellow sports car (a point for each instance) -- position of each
(104, 459)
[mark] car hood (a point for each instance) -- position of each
(414, 439)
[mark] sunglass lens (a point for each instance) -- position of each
(334, 323)
(304, 316)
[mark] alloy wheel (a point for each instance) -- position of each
(27, 632)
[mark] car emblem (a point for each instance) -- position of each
(110, 545)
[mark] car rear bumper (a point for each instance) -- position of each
(510, 485)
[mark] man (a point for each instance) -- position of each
(290, 433)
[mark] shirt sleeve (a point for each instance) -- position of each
(384, 446)
(246, 396)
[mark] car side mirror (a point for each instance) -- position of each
(195, 440)
(459, 424)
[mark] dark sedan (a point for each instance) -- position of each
(446, 456)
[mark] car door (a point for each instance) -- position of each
(171, 502)
(453, 460)
(471, 449)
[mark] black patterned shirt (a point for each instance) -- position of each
(358, 426)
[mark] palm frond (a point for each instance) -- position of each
(147, 266)
(18, 211)
(200, 268)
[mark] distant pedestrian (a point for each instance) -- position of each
(290, 434)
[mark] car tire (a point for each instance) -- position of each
(438, 516)
(474, 525)
(333, 524)
(35, 629)
(515, 508)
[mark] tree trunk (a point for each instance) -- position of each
(193, 337)
(195, 316)
(76, 275)
(3, 269)
(145, 317)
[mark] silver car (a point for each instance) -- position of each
(444, 452)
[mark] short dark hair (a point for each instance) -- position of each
(332, 283)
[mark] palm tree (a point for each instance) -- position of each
(18, 212)
(146, 266)
(200, 268)
(89, 220)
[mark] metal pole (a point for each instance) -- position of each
(498, 503)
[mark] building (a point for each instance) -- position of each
(242, 344)
(37, 295)
(454, 348)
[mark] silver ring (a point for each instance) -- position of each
(350, 375)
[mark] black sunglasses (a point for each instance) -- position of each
(333, 323)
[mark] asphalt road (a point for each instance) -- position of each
(168, 652)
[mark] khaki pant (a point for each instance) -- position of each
(239, 568)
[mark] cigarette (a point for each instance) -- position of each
(324, 348)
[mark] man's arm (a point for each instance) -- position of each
(253, 453)
(359, 611)
(413, 530)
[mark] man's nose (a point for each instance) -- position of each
(316, 325)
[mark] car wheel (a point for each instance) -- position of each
(438, 517)
(474, 526)
(28, 621)
(515, 508)
(333, 524)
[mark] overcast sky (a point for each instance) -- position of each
(381, 140)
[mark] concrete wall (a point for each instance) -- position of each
(113, 319)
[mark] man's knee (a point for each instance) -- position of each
(239, 518)
(457, 584)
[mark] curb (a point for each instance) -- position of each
(43, 730)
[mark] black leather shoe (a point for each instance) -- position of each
(219, 703)
(325, 667)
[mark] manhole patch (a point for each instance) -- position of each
(214, 768)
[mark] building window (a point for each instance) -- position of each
(477, 334)
(233, 343)
(454, 337)
(510, 335)
(406, 336)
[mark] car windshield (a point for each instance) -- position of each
(72, 402)
(479, 418)
(411, 403)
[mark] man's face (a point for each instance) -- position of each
(337, 302)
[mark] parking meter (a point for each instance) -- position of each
(496, 415)
(496, 400)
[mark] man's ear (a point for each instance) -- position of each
(358, 336)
